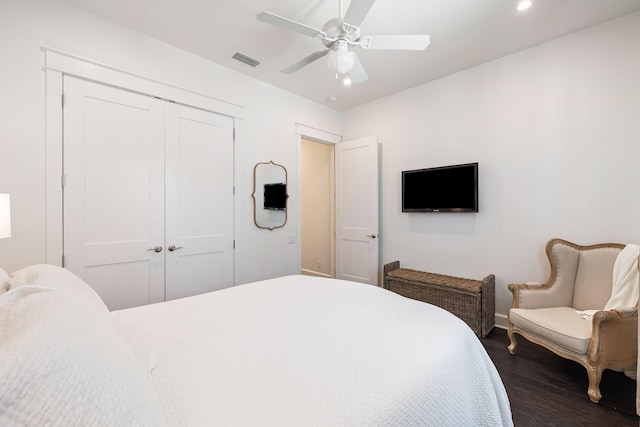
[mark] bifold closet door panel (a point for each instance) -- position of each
(114, 192)
(199, 201)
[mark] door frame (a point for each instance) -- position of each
(316, 135)
(57, 64)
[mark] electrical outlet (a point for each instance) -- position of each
(292, 238)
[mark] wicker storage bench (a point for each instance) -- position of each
(471, 300)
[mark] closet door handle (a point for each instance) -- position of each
(173, 248)
(156, 249)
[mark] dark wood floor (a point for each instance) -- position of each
(547, 390)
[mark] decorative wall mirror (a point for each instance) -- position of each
(269, 195)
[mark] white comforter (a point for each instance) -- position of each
(304, 351)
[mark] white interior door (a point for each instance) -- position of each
(114, 192)
(357, 210)
(199, 201)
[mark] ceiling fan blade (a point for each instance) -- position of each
(408, 42)
(357, 11)
(305, 61)
(357, 73)
(288, 24)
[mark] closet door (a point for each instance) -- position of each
(114, 192)
(199, 201)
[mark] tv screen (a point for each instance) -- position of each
(275, 196)
(442, 189)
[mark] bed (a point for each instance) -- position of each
(295, 350)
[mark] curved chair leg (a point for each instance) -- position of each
(595, 375)
(513, 347)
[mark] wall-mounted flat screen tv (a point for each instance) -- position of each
(275, 196)
(451, 188)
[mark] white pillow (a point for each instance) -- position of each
(4, 281)
(57, 278)
(62, 363)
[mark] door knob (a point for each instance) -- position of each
(173, 248)
(373, 236)
(156, 249)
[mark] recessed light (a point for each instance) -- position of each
(524, 5)
(347, 81)
(332, 99)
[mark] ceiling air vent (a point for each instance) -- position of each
(245, 59)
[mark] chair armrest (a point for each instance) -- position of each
(532, 295)
(614, 338)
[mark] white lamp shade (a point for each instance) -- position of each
(340, 60)
(5, 216)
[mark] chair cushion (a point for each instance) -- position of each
(561, 326)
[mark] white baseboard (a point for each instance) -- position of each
(502, 321)
(314, 273)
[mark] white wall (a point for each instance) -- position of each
(268, 130)
(556, 132)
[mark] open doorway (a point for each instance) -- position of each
(317, 208)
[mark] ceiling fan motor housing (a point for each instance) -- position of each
(334, 29)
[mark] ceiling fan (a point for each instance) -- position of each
(341, 33)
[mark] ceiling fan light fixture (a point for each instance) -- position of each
(524, 5)
(340, 59)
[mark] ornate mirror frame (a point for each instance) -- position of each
(268, 219)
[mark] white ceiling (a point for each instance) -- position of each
(464, 33)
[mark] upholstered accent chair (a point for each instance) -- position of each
(546, 313)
